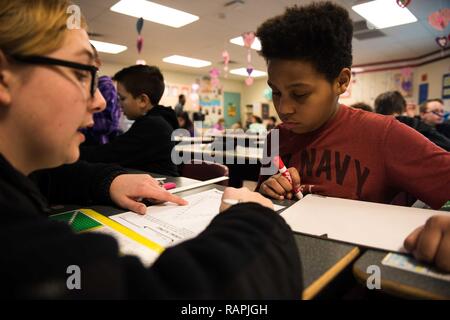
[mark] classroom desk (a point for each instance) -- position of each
(243, 163)
(401, 283)
(322, 260)
(193, 139)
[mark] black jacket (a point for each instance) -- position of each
(429, 132)
(167, 113)
(444, 128)
(246, 252)
(146, 146)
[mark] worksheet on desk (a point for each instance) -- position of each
(170, 224)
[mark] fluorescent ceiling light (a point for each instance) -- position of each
(243, 72)
(188, 62)
(108, 47)
(154, 12)
(384, 13)
(240, 42)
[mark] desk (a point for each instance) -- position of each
(399, 282)
(322, 260)
(243, 162)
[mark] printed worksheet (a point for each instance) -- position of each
(169, 224)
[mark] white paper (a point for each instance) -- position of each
(170, 224)
(368, 224)
(128, 246)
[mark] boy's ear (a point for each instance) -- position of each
(5, 81)
(144, 101)
(343, 81)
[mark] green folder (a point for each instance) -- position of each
(77, 220)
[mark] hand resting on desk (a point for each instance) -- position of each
(431, 242)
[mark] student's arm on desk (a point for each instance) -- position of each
(431, 243)
(416, 165)
(247, 252)
(78, 183)
(97, 183)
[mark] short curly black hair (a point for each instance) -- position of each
(319, 33)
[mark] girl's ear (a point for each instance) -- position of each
(343, 81)
(6, 77)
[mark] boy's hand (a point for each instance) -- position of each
(431, 242)
(278, 187)
(243, 195)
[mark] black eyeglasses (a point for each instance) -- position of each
(439, 113)
(40, 60)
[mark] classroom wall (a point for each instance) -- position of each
(366, 88)
(255, 94)
(181, 79)
(369, 85)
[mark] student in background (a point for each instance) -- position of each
(185, 123)
(411, 109)
(220, 125)
(256, 125)
(199, 115)
(432, 113)
(138, 81)
(179, 108)
(272, 123)
(261, 261)
(362, 106)
(392, 103)
(106, 123)
(147, 145)
(332, 149)
(237, 126)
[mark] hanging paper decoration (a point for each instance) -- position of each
(139, 25)
(439, 19)
(140, 39)
(226, 61)
(140, 44)
(249, 38)
(403, 3)
(214, 74)
(249, 80)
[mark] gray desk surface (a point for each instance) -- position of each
(399, 282)
(322, 260)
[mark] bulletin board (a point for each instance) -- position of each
(446, 86)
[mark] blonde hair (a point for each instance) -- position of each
(34, 27)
